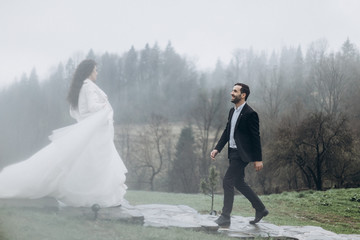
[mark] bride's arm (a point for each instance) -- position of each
(94, 99)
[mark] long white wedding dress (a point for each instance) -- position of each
(80, 167)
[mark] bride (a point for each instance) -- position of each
(80, 167)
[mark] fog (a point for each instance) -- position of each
(168, 68)
(161, 101)
(40, 34)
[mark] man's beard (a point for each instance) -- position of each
(236, 100)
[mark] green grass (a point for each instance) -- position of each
(333, 210)
(21, 224)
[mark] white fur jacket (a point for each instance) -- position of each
(91, 100)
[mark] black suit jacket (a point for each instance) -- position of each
(246, 135)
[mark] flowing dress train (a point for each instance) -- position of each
(80, 167)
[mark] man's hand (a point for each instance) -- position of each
(213, 154)
(258, 165)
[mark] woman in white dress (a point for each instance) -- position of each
(80, 167)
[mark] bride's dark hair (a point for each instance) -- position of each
(82, 72)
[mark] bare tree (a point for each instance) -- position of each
(273, 93)
(153, 148)
(313, 144)
(350, 60)
(280, 171)
(208, 114)
(327, 82)
(344, 161)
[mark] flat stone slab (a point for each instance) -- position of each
(240, 228)
(162, 215)
(158, 215)
(124, 213)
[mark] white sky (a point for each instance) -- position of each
(42, 33)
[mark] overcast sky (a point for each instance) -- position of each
(42, 33)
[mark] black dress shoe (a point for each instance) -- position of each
(259, 215)
(223, 221)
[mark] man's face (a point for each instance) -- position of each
(236, 95)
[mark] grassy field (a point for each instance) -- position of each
(27, 224)
(334, 210)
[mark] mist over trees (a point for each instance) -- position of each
(169, 115)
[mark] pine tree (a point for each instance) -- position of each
(184, 172)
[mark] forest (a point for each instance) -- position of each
(169, 115)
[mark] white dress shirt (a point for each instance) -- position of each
(234, 119)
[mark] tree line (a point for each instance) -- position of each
(169, 115)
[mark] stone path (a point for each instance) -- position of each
(183, 216)
(160, 215)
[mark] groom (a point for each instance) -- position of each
(243, 138)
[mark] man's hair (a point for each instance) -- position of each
(244, 89)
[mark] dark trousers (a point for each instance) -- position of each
(234, 177)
